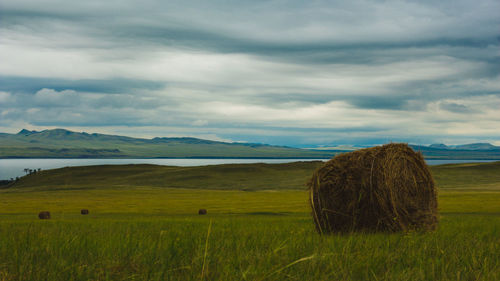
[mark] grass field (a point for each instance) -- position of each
(153, 232)
(259, 176)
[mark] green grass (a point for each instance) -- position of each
(242, 248)
(141, 232)
(152, 201)
(174, 201)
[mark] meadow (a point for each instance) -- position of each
(148, 231)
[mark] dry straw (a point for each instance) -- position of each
(383, 188)
(44, 215)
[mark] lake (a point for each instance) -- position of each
(11, 168)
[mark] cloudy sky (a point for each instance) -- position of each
(298, 73)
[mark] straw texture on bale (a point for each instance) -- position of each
(45, 215)
(84, 212)
(202, 211)
(384, 188)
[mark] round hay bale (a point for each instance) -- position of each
(84, 211)
(383, 188)
(44, 215)
(202, 211)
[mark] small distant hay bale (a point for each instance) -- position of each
(202, 211)
(385, 188)
(45, 215)
(84, 211)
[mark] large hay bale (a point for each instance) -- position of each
(84, 211)
(44, 215)
(202, 211)
(383, 188)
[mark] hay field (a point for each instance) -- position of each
(154, 233)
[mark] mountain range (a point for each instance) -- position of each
(471, 146)
(61, 143)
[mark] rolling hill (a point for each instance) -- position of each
(248, 177)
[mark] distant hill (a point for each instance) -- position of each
(458, 152)
(61, 143)
(477, 146)
(439, 146)
(472, 146)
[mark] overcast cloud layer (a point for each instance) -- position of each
(299, 73)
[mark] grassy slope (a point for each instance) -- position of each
(236, 176)
(230, 176)
(153, 233)
(468, 176)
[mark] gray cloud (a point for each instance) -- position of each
(314, 71)
(455, 107)
(117, 85)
